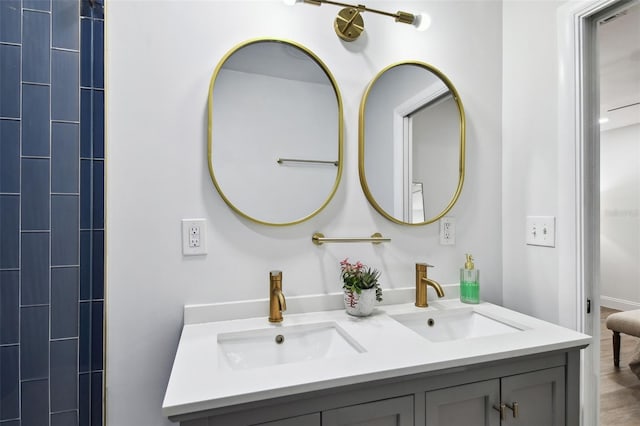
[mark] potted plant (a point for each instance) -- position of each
(361, 287)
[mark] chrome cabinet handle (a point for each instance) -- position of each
(513, 407)
(501, 410)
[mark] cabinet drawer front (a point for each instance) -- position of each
(465, 405)
(388, 412)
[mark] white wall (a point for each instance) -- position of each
(620, 217)
(160, 56)
(530, 168)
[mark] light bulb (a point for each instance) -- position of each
(422, 21)
(603, 120)
(291, 2)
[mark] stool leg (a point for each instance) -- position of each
(616, 349)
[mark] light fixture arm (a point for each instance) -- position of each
(399, 16)
(349, 23)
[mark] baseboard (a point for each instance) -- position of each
(619, 304)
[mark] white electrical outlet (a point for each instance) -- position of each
(447, 231)
(541, 231)
(194, 233)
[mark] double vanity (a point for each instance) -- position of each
(447, 364)
(443, 364)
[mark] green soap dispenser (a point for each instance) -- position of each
(469, 282)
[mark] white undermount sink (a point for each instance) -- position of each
(456, 324)
(283, 345)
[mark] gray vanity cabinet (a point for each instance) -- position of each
(530, 399)
(388, 412)
(545, 388)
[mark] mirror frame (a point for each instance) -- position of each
(210, 112)
(361, 143)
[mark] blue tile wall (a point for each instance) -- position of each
(10, 81)
(9, 382)
(64, 375)
(35, 120)
(86, 111)
(96, 335)
(98, 124)
(35, 194)
(97, 267)
(10, 236)
(35, 403)
(10, 23)
(9, 307)
(34, 342)
(65, 150)
(70, 418)
(36, 47)
(96, 397)
(51, 212)
(34, 268)
(85, 265)
(64, 14)
(65, 230)
(37, 4)
(65, 85)
(98, 54)
(84, 399)
(84, 340)
(10, 156)
(64, 303)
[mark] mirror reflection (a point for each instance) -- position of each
(275, 132)
(412, 143)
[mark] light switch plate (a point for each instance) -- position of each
(541, 231)
(194, 232)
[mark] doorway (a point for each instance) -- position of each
(618, 44)
(579, 187)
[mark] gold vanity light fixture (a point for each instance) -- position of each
(349, 23)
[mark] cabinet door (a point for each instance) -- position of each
(539, 395)
(388, 412)
(465, 405)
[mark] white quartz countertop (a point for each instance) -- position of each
(199, 381)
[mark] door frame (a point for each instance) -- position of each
(579, 185)
(403, 152)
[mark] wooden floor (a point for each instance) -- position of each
(619, 387)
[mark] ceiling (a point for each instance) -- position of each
(619, 57)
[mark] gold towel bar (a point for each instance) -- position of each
(319, 238)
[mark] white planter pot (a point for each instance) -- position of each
(360, 305)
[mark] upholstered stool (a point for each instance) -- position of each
(623, 322)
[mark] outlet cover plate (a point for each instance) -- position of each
(541, 231)
(194, 241)
(447, 231)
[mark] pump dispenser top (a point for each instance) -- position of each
(469, 263)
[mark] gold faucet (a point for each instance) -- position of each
(422, 283)
(277, 302)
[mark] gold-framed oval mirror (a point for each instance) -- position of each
(275, 132)
(411, 150)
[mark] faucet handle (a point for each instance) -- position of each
(275, 277)
(422, 267)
